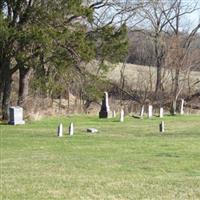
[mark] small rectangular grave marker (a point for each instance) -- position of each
(16, 115)
(150, 111)
(122, 115)
(182, 106)
(161, 112)
(142, 112)
(71, 129)
(60, 130)
(162, 127)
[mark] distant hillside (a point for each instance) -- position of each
(140, 74)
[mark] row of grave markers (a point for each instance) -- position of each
(150, 113)
(60, 130)
(71, 130)
(93, 130)
(16, 113)
(17, 118)
(106, 113)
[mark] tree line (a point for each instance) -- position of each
(51, 42)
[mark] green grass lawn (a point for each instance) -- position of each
(129, 160)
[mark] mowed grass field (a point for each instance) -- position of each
(129, 160)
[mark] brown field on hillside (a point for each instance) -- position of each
(135, 75)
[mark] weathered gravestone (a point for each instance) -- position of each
(182, 105)
(161, 113)
(150, 111)
(60, 130)
(71, 129)
(105, 109)
(142, 112)
(113, 114)
(16, 115)
(122, 115)
(92, 130)
(162, 127)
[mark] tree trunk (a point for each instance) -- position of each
(122, 82)
(24, 75)
(158, 55)
(1, 85)
(6, 90)
(173, 107)
(175, 93)
(158, 81)
(176, 82)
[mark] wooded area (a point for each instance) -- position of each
(46, 47)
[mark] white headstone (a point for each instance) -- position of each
(113, 114)
(162, 127)
(122, 115)
(16, 115)
(150, 111)
(71, 129)
(161, 112)
(182, 105)
(142, 112)
(60, 130)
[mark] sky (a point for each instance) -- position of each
(188, 21)
(194, 18)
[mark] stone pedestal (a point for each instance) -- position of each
(16, 115)
(105, 109)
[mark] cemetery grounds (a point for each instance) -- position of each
(129, 160)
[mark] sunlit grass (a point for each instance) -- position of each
(129, 160)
